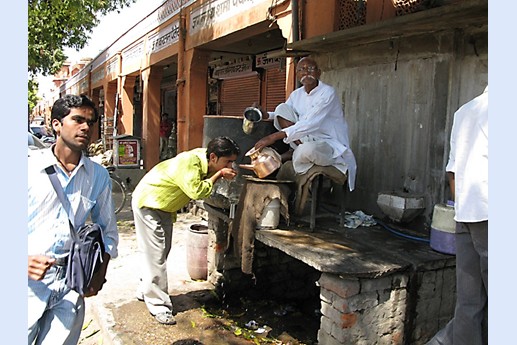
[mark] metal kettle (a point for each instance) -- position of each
(263, 162)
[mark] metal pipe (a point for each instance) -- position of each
(219, 213)
(296, 31)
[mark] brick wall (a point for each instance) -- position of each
(401, 308)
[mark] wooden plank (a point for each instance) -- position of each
(363, 252)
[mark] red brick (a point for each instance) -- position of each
(349, 320)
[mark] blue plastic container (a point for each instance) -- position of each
(443, 230)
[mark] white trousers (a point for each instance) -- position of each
(312, 151)
(154, 238)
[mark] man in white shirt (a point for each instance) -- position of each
(312, 122)
(468, 177)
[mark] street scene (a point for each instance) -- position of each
(258, 172)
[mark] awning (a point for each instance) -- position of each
(461, 14)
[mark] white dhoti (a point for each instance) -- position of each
(312, 150)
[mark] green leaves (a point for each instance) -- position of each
(57, 24)
(54, 25)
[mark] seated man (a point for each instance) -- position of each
(312, 122)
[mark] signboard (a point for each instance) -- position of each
(237, 69)
(164, 38)
(263, 61)
(127, 153)
(133, 54)
(217, 11)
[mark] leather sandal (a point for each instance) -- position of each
(165, 318)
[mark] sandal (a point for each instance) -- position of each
(165, 318)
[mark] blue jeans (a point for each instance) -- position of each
(56, 313)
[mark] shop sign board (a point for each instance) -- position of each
(164, 38)
(98, 75)
(127, 152)
(218, 11)
(133, 54)
(237, 69)
(263, 61)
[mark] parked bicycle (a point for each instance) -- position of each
(118, 189)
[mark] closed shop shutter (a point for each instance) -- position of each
(238, 94)
(275, 88)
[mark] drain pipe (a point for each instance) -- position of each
(296, 28)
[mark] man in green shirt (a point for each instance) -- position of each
(164, 190)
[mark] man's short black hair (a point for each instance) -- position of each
(64, 105)
(222, 147)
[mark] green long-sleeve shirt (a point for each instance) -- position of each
(171, 184)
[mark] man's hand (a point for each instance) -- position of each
(38, 266)
(269, 140)
(228, 173)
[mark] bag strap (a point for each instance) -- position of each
(52, 175)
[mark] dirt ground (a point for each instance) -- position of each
(203, 317)
(201, 321)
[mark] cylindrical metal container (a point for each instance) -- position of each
(251, 117)
(231, 126)
(443, 229)
(197, 247)
(270, 215)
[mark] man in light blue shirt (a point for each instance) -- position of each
(56, 313)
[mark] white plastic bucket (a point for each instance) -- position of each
(270, 215)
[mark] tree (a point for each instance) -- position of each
(57, 24)
(33, 97)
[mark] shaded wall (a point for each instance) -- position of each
(399, 98)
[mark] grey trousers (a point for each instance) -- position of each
(154, 238)
(466, 327)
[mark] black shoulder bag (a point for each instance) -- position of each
(86, 249)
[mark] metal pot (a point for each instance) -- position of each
(263, 162)
(252, 115)
(230, 126)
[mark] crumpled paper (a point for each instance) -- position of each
(358, 218)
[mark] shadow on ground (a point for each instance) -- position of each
(201, 319)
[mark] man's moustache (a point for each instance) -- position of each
(307, 76)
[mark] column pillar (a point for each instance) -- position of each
(192, 99)
(126, 110)
(151, 78)
(110, 96)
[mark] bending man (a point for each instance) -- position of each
(165, 189)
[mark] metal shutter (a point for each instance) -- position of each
(238, 94)
(275, 88)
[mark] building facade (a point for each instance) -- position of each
(402, 68)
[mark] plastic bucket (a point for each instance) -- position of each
(270, 215)
(443, 230)
(197, 244)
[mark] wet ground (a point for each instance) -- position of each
(115, 316)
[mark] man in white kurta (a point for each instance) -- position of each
(468, 177)
(312, 122)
